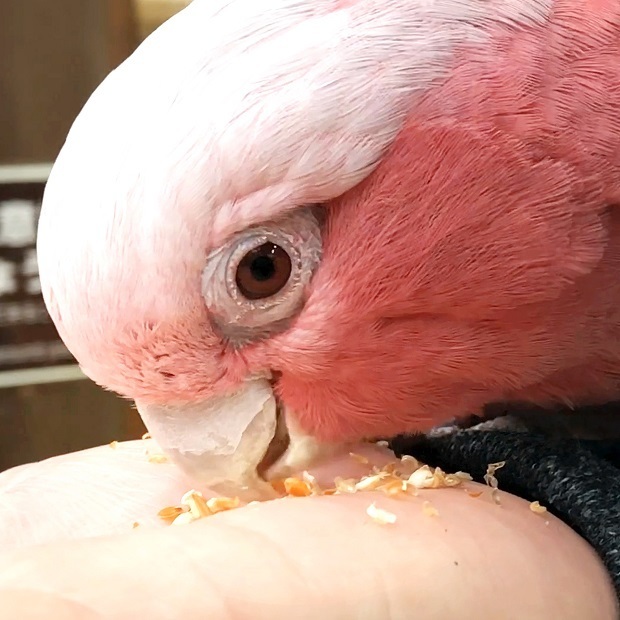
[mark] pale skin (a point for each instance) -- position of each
(318, 557)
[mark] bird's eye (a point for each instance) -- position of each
(263, 271)
(257, 282)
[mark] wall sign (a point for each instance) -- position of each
(28, 338)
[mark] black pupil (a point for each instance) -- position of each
(263, 272)
(263, 268)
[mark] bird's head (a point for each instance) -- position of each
(249, 233)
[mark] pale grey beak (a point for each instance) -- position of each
(234, 443)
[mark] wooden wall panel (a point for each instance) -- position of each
(150, 14)
(53, 54)
(40, 421)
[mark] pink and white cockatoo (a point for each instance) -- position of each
(285, 225)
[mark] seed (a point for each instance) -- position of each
(537, 508)
(429, 510)
(378, 515)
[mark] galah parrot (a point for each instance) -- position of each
(282, 226)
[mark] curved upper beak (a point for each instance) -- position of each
(234, 443)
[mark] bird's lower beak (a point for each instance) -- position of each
(235, 443)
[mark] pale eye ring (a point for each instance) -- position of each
(257, 282)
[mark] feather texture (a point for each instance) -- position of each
(467, 154)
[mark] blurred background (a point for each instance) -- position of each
(53, 54)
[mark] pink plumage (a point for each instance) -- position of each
(468, 169)
(481, 261)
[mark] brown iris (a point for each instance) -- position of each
(263, 272)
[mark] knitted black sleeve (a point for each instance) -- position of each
(576, 480)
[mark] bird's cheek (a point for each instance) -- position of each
(319, 409)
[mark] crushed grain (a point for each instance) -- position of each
(378, 515)
(492, 481)
(345, 485)
(170, 513)
(222, 504)
(297, 487)
(195, 501)
(537, 508)
(184, 518)
(397, 479)
(158, 458)
(429, 510)
(310, 480)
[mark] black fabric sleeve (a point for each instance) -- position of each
(576, 480)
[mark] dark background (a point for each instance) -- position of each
(53, 54)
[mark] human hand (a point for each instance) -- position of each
(69, 551)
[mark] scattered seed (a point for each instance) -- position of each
(170, 513)
(197, 504)
(378, 515)
(221, 504)
(158, 458)
(421, 478)
(311, 481)
(429, 510)
(492, 481)
(464, 476)
(297, 487)
(345, 485)
(390, 468)
(407, 465)
(395, 479)
(489, 477)
(395, 488)
(371, 483)
(184, 518)
(537, 508)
